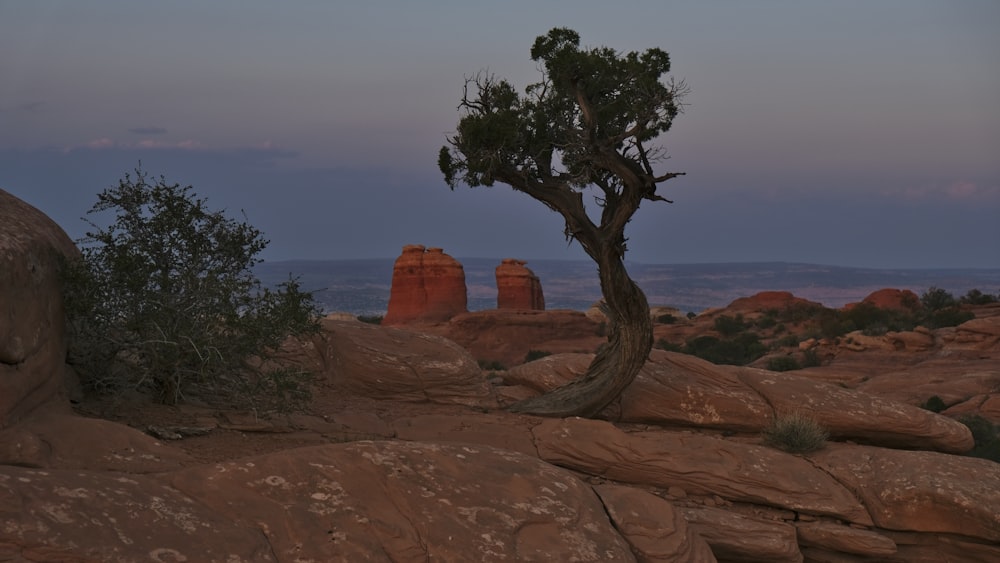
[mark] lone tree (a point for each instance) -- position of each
(586, 125)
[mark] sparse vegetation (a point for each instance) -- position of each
(371, 319)
(795, 433)
(165, 300)
(783, 363)
(664, 344)
(986, 435)
(934, 404)
(976, 297)
(491, 365)
(666, 319)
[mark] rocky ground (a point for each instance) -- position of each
(405, 452)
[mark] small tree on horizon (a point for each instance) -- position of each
(587, 125)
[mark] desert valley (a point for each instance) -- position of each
(406, 452)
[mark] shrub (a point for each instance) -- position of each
(986, 436)
(666, 319)
(371, 319)
(738, 351)
(783, 363)
(533, 355)
(936, 298)
(795, 433)
(810, 359)
(934, 404)
(976, 297)
(491, 365)
(730, 326)
(787, 341)
(165, 300)
(691, 314)
(663, 344)
(949, 316)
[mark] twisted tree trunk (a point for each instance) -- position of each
(630, 338)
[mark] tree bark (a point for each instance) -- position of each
(630, 338)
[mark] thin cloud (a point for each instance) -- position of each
(149, 130)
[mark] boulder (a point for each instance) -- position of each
(428, 286)
(920, 491)
(697, 463)
(363, 501)
(736, 537)
(518, 287)
(657, 531)
(33, 339)
(856, 415)
(395, 364)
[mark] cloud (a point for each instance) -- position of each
(149, 130)
(25, 107)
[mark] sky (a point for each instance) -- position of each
(850, 133)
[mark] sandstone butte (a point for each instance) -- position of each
(427, 286)
(405, 453)
(518, 287)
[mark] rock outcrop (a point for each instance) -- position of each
(428, 286)
(33, 340)
(518, 287)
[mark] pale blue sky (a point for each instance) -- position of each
(857, 133)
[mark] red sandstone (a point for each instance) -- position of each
(518, 287)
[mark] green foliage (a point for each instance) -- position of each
(491, 365)
(811, 359)
(533, 355)
(666, 319)
(976, 297)
(371, 319)
(741, 350)
(934, 404)
(691, 314)
(935, 299)
(986, 435)
(729, 326)
(783, 363)
(795, 433)
(664, 344)
(165, 300)
(789, 340)
(949, 316)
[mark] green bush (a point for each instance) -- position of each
(976, 297)
(371, 319)
(936, 298)
(934, 404)
(986, 435)
(783, 363)
(533, 355)
(739, 351)
(730, 326)
(491, 365)
(795, 433)
(787, 341)
(811, 359)
(165, 300)
(666, 319)
(663, 344)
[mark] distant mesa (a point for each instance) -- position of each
(428, 286)
(518, 287)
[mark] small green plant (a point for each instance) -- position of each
(976, 297)
(691, 314)
(667, 319)
(730, 326)
(491, 365)
(986, 435)
(811, 359)
(371, 319)
(664, 344)
(787, 341)
(934, 404)
(783, 363)
(795, 433)
(533, 355)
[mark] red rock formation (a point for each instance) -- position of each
(427, 286)
(518, 287)
(898, 299)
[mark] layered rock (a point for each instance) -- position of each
(427, 286)
(518, 287)
(33, 340)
